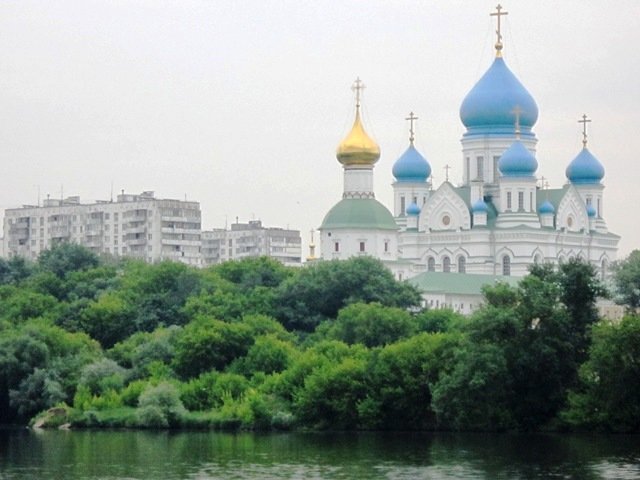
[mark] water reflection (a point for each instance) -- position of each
(201, 455)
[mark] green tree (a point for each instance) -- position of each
(626, 277)
(67, 257)
(207, 343)
(319, 291)
(371, 324)
(608, 397)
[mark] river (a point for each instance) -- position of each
(70, 455)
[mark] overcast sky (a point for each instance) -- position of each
(241, 104)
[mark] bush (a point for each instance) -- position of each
(166, 398)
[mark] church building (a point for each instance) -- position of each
(498, 221)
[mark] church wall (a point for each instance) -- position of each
(381, 244)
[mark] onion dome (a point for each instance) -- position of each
(591, 211)
(490, 105)
(413, 209)
(546, 208)
(517, 161)
(585, 169)
(411, 166)
(480, 206)
(358, 148)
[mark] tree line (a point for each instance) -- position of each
(251, 344)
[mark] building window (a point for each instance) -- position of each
(531, 201)
(402, 206)
(362, 246)
(336, 247)
(603, 270)
(520, 201)
(496, 173)
(462, 264)
(467, 167)
(431, 264)
(598, 209)
(506, 265)
(446, 264)
(508, 200)
(386, 246)
(480, 165)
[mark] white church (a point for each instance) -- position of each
(497, 222)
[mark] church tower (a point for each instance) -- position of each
(358, 224)
(488, 113)
(411, 172)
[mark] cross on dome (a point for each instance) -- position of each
(499, 13)
(446, 169)
(584, 122)
(411, 119)
(357, 87)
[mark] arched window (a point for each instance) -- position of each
(537, 259)
(446, 264)
(506, 265)
(462, 264)
(431, 264)
(603, 270)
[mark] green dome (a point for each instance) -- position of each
(359, 213)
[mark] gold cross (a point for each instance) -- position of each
(357, 87)
(499, 13)
(584, 122)
(446, 169)
(517, 111)
(411, 119)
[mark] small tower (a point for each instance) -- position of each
(411, 172)
(585, 173)
(517, 184)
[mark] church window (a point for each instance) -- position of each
(446, 264)
(537, 260)
(480, 166)
(402, 206)
(362, 246)
(598, 209)
(446, 220)
(386, 246)
(508, 200)
(588, 201)
(467, 166)
(520, 201)
(496, 173)
(462, 264)
(336, 247)
(531, 201)
(415, 200)
(431, 264)
(603, 270)
(506, 265)
(569, 221)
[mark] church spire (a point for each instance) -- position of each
(411, 119)
(498, 13)
(358, 148)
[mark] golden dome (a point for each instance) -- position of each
(358, 148)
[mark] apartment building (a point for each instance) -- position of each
(251, 239)
(140, 226)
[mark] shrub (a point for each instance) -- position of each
(166, 398)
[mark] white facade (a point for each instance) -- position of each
(140, 226)
(251, 239)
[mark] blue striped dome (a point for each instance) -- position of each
(413, 209)
(490, 104)
(546, 208)
(480, 206)
(411, 166)
(517, 161)
(585, 169)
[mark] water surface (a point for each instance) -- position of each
(70, 455)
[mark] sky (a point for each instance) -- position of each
(240, 105)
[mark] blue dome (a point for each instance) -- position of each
(490, 104)
(480, 207)
(411, 166)
(585, 169)
(413, 209)
(591, 211)
(517, 161)
(546, 207)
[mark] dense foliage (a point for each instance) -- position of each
(342, 345)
